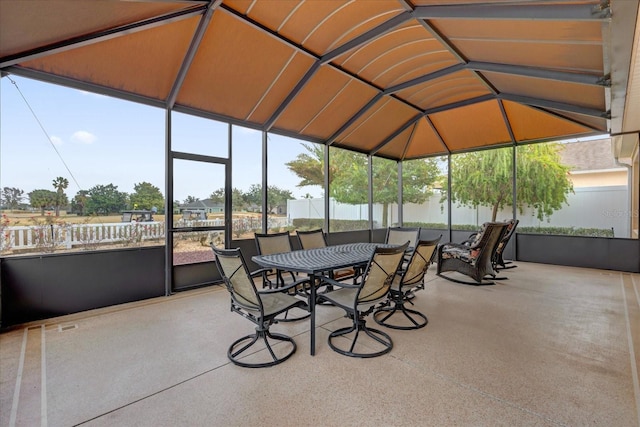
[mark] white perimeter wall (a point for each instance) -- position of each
(589, 207)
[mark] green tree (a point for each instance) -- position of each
(217, 196)
(42, 199)
(238, 198)
(275, 196)
(349, 177)
(146, 196)
(190, 199)
(60, 184)
(485, 178)
(105, 199)
(79, 202)
(11, 197)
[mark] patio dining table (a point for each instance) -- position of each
(317, 261)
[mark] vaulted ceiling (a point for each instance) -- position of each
(394, 78)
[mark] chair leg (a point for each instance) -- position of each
(417, 319)
(235, 355)
(358, 326)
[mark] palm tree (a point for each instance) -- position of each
(60, 184)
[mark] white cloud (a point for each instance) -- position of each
(83, 137)
(56, 140)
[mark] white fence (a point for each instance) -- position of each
(590, 207)
(51, 237)
(48, 237)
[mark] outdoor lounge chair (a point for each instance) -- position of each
(276, 243)
(405, 283)
(260, 307)
(473, 260)
(360, 300)
(498, 261)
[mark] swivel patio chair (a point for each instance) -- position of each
(399, 235)
(311, 239)
(276, 243)
(405, 283)
(473, 260)
(360, 300)
(260, 307)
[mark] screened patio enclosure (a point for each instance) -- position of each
(390, 80)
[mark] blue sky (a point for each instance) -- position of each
(105, 140)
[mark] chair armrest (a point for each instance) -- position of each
(469, 239)
(284, 288)
(259, 271)
(330, 281)
(462, 246)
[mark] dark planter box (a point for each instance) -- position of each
(589, 252)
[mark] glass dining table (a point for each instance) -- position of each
(317, 261)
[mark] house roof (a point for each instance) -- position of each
(202, 204)
(589, 155)
(394, 78)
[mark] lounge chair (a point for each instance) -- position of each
(474, 260)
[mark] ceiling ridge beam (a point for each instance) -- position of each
(397, 132)
(568, 119)
(540, 73)
(100, 36)
(437, 133)
(191, 52)
(81, 85)
(409, 139)
(540, 12)
(423, 79)
(454, 51)
(291, 96)
(562, 106)
(505, 119)
(353, 118)
(328, 57)
(459, 104)
(374, 33)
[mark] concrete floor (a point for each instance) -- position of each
(550, 346)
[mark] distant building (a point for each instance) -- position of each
(206, 205)
(592, 164)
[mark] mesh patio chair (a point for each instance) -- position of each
(399, 235)
(312, 239)
(360, 300)
(260, 307)
(276, 243)
(405, 283)
(473, 260)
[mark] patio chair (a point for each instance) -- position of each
(473, 260)
(498, 261)
(311, 239)
(399, 235)
(276, 243)
(360, 300)
(260, 307)
(405, 283)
